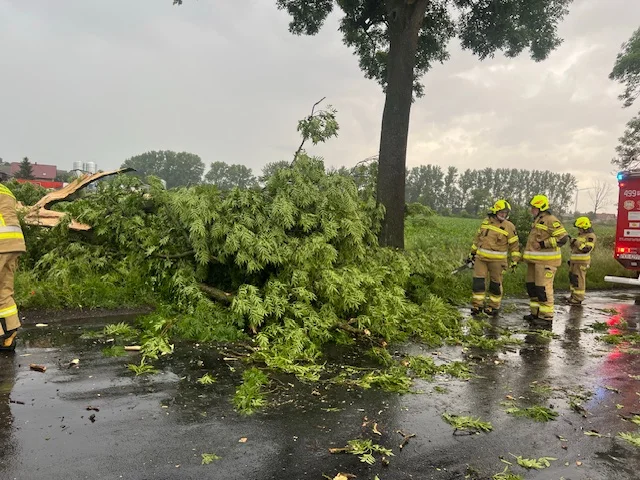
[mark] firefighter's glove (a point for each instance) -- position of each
(471, 258)
(513, 266)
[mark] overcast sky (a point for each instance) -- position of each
(104, 80)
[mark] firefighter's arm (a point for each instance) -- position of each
(587, 246)
(557, 236)
(514, 246)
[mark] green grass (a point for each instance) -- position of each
(89, 291)
(450, 238)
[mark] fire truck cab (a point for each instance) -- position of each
(627, 243)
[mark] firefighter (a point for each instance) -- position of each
(495, 240)
(11, 246)
(581, 249)
(543, 257)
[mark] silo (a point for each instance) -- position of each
(77, 168)
(90, 167)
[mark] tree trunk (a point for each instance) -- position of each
(405, 19)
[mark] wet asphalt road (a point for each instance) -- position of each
(157, 427)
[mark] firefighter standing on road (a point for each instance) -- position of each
(543, 257)
(11, 246)
(495, 240)
(581, 249)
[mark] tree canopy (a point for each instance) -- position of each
(397, 41)
(627, 71)
(177, 169)
(226, 176)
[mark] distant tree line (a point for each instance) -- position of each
(472, 191)
(450, 192)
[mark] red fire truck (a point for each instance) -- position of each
(627, 245)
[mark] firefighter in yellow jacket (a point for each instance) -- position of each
(11, 246)
(495, 240)
(581, 249)
(543, 257)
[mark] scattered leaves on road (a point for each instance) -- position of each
(532, 463)
(460, 422)
(632, 438)
(507, 475)
(541, 389)
(537, 412)
(364, 449)
(206, 379)
(207, 458)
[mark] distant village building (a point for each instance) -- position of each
(5, 173)
(38, 170)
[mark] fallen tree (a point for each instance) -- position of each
(291, 267)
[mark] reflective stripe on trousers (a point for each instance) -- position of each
(492, 254)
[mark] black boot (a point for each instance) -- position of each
(475, 311)
(542, 323)
(492, 312)
(530, 317)
(8, 341)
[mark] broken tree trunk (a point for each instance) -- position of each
(39, 215)
(217, 294)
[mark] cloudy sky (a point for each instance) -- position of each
(104, 80)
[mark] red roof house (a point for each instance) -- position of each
(40, 171)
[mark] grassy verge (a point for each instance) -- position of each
(450, 239)
(89, 291)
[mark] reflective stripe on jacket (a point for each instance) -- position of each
(495, 240)
(582, 246)
(11, 237)
(547, 235)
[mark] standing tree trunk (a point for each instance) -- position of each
(405, 19)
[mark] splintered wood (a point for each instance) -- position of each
(40, 216)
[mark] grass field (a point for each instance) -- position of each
(450, 240)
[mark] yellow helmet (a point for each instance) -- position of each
(500, 205)
(583, 223)
(541, 202)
